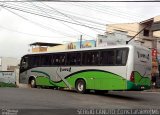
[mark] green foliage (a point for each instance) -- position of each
(2, 84)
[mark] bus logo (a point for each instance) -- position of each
(143, 57)
(65, 69)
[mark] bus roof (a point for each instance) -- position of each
(95, 48)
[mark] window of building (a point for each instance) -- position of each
(146, 32)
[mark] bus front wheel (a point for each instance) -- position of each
(81, 86)
(33, 83)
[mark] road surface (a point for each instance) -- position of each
(27, 98)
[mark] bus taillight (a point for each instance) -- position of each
(132, 77)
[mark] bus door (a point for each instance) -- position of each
(23, 70)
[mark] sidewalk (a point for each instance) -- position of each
(153, 90)
(22, 86)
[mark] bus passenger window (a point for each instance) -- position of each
(107, 58)
(57, 61)
(62, 60)
(124, 56)
(24, 63)
(119, 57)
(73, 58)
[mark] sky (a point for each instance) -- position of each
(19, 29)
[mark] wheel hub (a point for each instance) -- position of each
(80, 86)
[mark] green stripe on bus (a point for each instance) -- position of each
(139, 82)
(46, 80)
(99, 80)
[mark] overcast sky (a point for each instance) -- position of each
(19, 29)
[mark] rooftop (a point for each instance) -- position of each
(44, 44)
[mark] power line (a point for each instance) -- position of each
(113, 1)
(11, 7)
(113, 10)
(52, 10)
(40, 25)
(66, 24)
(109, 21)
(104, 11)
(67, 17)
(77, 16)
(134, 31)
(23, 32)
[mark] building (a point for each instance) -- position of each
(115, 38)
(8, 67)
(147, 32)
(8, 63)
(56, 48)
(41, 46)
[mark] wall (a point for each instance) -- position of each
(130, 28)
(39, 49)
(156, 18)
(56, 48)
(7, 77)
(8, 63)
(115, 38)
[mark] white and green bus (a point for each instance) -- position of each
(121, 67)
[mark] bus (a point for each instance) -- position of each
(116, 68)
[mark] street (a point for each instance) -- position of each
(27, 98)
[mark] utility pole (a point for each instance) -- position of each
(80, 41)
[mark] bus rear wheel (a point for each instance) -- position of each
(33, 83)
(81, 86)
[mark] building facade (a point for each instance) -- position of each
(8, 67)
(146, 32)
(8, 63)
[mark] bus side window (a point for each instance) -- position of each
(124, 56)
(36, 61)
(95, 58)
(53, 60)
(57, 61)
(24, 63)
(108, 57)
(119, 57)
(62, 59)
(78, 59)
(111, 55)
(104, 57)
(73, 58)
(85, 58)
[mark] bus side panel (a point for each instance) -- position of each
(130, 67)
(99, 80)
(141, 70)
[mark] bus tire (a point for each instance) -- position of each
(80, 86)
(33, 83)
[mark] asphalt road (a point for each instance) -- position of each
(27, 98)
